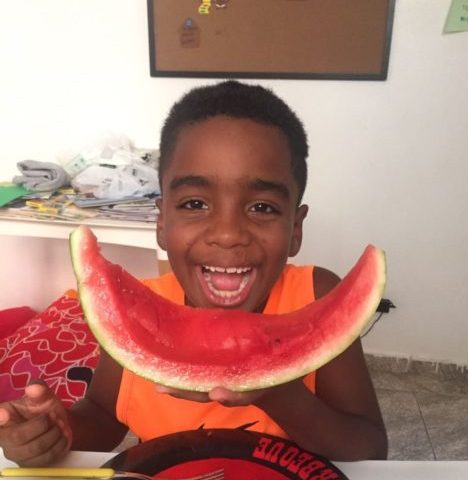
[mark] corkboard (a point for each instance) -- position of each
(330, 39)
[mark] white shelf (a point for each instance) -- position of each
(134, 234)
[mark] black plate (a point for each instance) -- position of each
(243, 454)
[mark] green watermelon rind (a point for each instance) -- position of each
(195, 378)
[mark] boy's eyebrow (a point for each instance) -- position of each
(269, 185)
(257, 184)
(188, 180)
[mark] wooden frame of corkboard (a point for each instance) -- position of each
(281, 39)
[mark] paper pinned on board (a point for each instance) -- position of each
(457, 18)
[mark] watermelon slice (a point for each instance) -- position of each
(197, 349)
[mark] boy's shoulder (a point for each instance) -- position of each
(319, 280)
(324, 281)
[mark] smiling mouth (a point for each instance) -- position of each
(226, 285)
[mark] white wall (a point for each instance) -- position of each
(37, 271)
(388, 159)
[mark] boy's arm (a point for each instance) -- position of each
(93, 420)
(36, 429)
(343, 420)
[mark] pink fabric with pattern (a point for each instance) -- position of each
(49, 347)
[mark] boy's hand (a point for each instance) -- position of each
(218, 394)
(34, 430)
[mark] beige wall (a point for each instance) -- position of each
(388, 159)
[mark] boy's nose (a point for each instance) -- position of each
(227, 231)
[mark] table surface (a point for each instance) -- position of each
(367, 470)
(134, 234)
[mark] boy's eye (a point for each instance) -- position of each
(194, 205)
(262, 207)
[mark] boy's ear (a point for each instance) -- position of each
(160, 234)
(296, 240)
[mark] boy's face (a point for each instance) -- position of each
(228, 214)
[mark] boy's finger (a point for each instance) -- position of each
(4, 417)
(226, 397)
(49, 456)
(44, 449)
(38, 398)
(183, 394)
(38, 393)
(41, 399)
(232, 399)
(23, 433)
(9, 415)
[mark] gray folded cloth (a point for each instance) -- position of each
(41, 176)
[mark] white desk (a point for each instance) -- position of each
(23, 285)
(135, 234)
(368, 470)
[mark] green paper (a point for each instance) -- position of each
(457, 18)
(10, 192)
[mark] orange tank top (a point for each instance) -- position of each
(150, 414)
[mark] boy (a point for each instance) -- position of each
(232, 174)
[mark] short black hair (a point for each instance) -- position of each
(237, 100)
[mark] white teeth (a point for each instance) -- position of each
(227, 270)
(226, 295)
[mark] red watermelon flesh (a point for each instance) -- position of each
(198, 349)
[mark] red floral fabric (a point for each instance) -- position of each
(56, 346)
